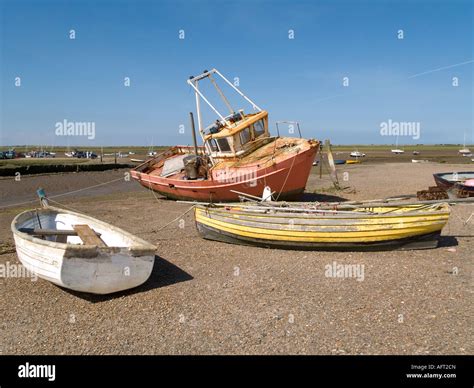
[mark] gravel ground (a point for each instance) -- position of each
(206, 297)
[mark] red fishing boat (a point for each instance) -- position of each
(239, 155)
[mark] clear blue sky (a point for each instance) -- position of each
(294, 79)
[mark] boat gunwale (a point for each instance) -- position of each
(329, 215)
(325, 227)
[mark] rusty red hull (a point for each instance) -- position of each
(287, 176)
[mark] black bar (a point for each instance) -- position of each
(317, 371)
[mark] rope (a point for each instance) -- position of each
(153, 192)
(176, 219)
(284, 183)
(468, 219)
(62, 194)
(62, 205)
(85, 188)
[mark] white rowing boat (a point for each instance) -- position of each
(79, 252)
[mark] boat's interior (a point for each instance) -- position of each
(70, 228)
(457, 177)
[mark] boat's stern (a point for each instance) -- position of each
(111, 270)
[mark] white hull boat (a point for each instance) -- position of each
(79, 252)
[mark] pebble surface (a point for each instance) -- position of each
(206, 297)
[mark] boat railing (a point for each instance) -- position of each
(155, 159)
(167, 153)
(289, 123)
(189, 150)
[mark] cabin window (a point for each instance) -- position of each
(213, 145)
(223, 144)
(259, 128)
(245, 136)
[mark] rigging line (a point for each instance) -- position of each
(151, 189)
(63, 194)
(85, 188)
(176, 219)
(226, 101)
(287, 176)
(64, 206)
(468, 219)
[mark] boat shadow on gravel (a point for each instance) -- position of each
(163, 274)
(448, 241)
(316, 197)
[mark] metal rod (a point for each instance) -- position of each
(237, 90)
(201, 76)
(198, 108)
(211, 78)
(194, 133)
(332, 166)
(207, 102)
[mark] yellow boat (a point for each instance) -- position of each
(309, 227)
(353, 161)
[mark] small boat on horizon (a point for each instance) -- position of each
(464, 151)
(238, 154)
(357, 154)
(397, 151)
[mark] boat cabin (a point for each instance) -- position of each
(238, 135)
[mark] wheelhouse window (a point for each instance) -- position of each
(223, 144)
(259, 128)
(213, 144)
(245, 136)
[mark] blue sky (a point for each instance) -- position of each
(294, 79)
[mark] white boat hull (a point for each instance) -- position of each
(125, 263)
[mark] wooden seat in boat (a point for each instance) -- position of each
(48, 232)
(84, 232)
(88, 235)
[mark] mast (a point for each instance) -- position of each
(193, 81)
(199, 116)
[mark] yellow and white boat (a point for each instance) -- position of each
(308, 227)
